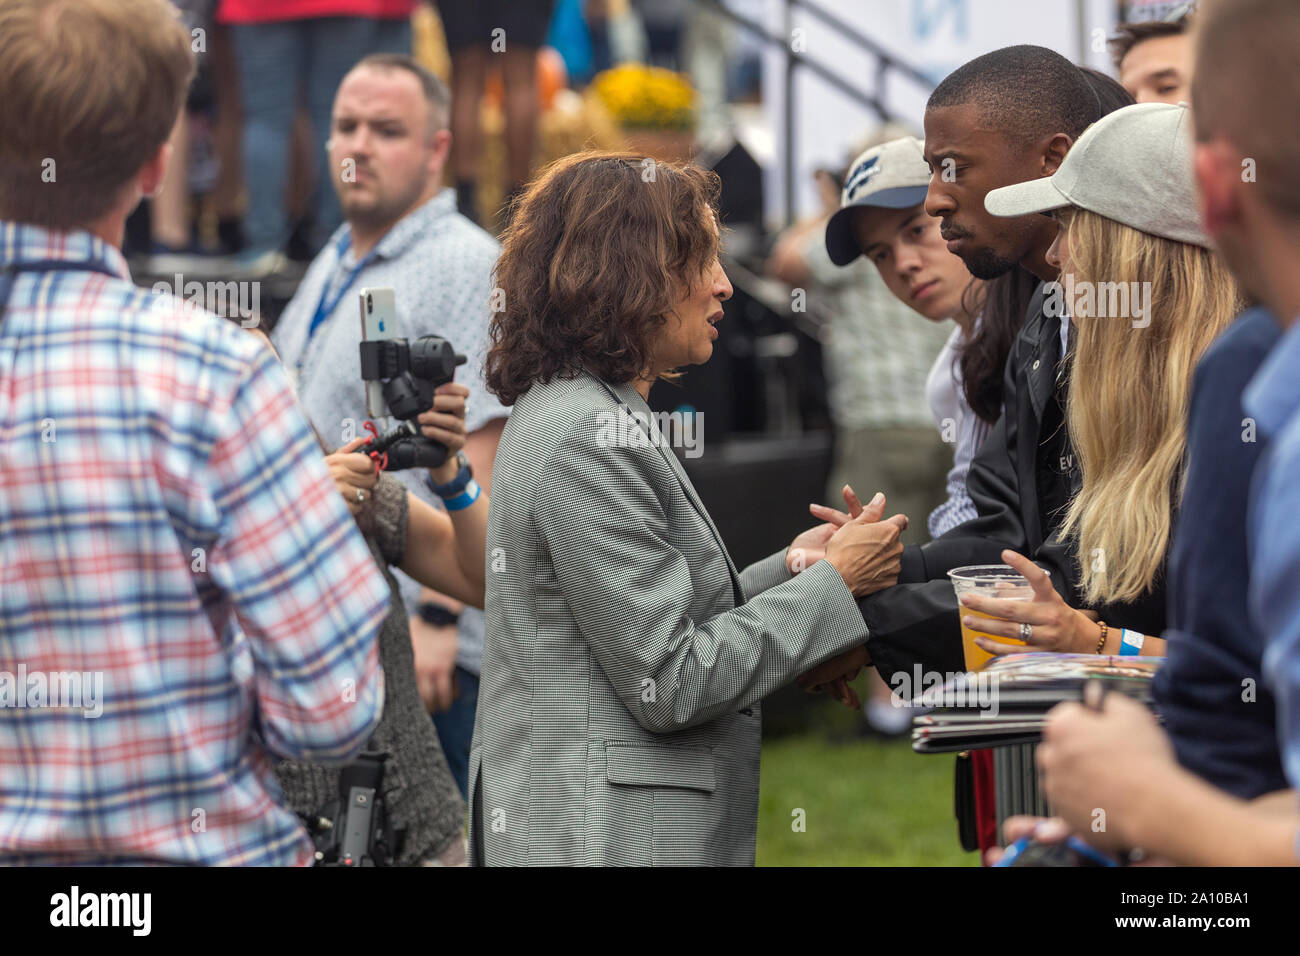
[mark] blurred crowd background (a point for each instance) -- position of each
(776, 96)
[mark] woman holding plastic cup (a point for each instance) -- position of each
(1146, 297)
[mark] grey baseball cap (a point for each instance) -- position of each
(893, 175)
(1133, 166)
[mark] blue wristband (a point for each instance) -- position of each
(458, 484)
(465, 498)
(1130, 643)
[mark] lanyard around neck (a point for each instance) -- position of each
(328, 303)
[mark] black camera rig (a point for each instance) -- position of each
(409, 374)
(355, 829)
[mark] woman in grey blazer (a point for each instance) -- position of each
(625, 656)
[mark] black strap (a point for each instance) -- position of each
(6, 288)
(10, 271)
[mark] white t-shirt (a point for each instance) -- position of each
(957, 425)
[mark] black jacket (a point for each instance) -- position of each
(1019, 480)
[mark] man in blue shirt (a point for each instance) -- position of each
(1118, 760)
(1273, 398)
(1217, 709)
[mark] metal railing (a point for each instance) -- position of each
(887, 64)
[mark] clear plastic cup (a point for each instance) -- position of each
(989, 580)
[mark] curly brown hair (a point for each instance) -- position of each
(600, 248)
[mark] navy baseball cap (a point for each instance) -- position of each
(893, 175)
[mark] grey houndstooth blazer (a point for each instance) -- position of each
(618, 718)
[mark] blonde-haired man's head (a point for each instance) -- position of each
(92, 90)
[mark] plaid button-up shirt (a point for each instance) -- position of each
(183, 593)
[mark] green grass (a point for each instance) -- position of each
(867, 803)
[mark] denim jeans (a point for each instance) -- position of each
(280, 66)
(456, 728)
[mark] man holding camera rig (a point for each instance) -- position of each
(386, 153)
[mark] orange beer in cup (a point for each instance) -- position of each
(988, 580)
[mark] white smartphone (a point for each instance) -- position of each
(378, 321)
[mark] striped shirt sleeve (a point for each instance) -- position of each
(959, 508)
(305, 589)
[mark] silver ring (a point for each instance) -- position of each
(1026, 632)
(361, 496)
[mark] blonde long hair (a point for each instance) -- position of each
(1129, 394)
